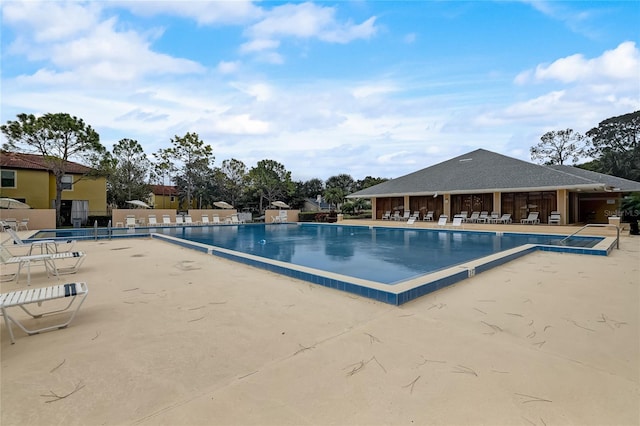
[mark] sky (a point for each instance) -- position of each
(365, 88)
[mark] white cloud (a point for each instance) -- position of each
(259, 91)
(367, 90)
(202, 11)
(50, 21)
(304, 21)
(620, 64)
(259, 45)
(102, 53)
(228, 67)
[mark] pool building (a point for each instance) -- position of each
(482, 180)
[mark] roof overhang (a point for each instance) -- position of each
(592, 187)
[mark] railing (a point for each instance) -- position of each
(596, 225)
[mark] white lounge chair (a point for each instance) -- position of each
(411, 221)
(474, 217)
(216, 220)
(483, 218)
(188, 220)
(554, 218)
(428, 216)
(131, 222)
(234, 219)
(442, 220)
(152, 220)
(49, 260)
(464, 215)
(205, 219)
(457, 222)
(42, 295)
(505, 218)
(532, 219)
(493, 217)
(179, 221)
(166, 220)
(386, 215)
(44, 246)
(12, 223)
(24, 224)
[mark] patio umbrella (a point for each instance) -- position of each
(223, 205)
(139, 203)
(11, 203)
(280, 204)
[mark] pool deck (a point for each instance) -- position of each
(171, 336)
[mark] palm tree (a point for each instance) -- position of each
(334, 196)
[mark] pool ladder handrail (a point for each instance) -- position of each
(596, 225)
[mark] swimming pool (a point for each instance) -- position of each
(393, 265)
(385, 255)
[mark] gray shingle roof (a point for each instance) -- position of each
(486, 171)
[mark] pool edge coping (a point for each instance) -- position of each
(399, 293)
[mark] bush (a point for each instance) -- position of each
(307, 216)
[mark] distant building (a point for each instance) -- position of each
(164, 197)
(27, 178)
(315, 205)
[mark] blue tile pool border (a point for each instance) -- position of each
(394, 295)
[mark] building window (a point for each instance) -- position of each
(172, 198)
(8, 178)
(67, 183)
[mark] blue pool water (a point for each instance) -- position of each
(384, 255)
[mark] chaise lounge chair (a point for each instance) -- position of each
(386, 215)
(457, 222)
(44, 246)
(474, 217)
(428, 217)
(554, 218)
(166, 220)
(131, 222)
(483, 218)
(42, 295)
(152, 220)
(205, 219)
(442, 220)
(532, 219)
(505, 218)
(493, 217)
(49, 260)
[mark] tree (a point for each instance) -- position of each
(128, 179)
(312, 188)
(615, 145)
(186, 159)
(334, 196)
(340, 184)
(235, 177)
(271, 181)
(558, 146)
(58, 138)
(367, 182)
